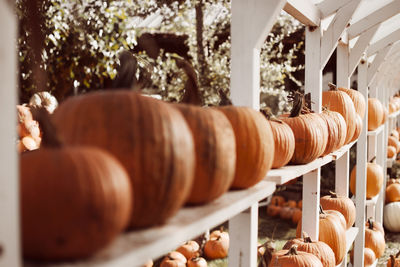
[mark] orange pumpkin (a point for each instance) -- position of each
(292, 257)
(290, 203)
(286, 213)
(254, 145)
(149, 137)
(197, 262)
(190, 249)
(393, 193)
(297, 215)
(215, 148)
(392, 141)
(391, 152)
(374, 180)
(342, 204)
(278, 200)
(336, 129)
(394, 260)
(174, 259)
(369, 257)
(284, 143)
(341, 102)
(217, 246)
(375, 113)
(358, 100)
(273, 210)
(300, 204)
(320, 249)
(374, 238)
(359, 126)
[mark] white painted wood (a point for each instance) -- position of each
(243, 230)
(9, 204)
(361, 171)
(342, 71)
(259, 16)
(371, 20)
(357, 52)
(304, 11)
(350, 237)
(342, 170)
(382, 43)
(311, 195)
(378, 130)
(328, 7)
(376, 64)
(331, 37)
(139, 246)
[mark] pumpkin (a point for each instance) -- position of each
(375, 113)
(284, 143)
(393, 193)
(174, 259)
(332, 232)
(392, 181)
(391, 152)
(197, 262)
(286, 213)
(394, 260)
(149, 137)
(44, 99)
(75, 200)
(278, 200)
(375, 225)
(391, 217)
(190, 249)
(292, 257)
(215, 149)
(273, 210)
(342, 204)
(300, 204)
(374, 239)
(395, 134)
(254, 145)
(290, 203)
(392, 141)
(336, 129)
(358, 100)
(320, 249)
(369, 257)
(339, 101)
(217, 246)
(28, 130)
(359, 126)
(310, 135)
(374, 179)
(297, 215)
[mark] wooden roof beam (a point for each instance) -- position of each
(376, 64)
(338, 25)
(328, 7)
(387, 40)
(380, 15)
(304, 11)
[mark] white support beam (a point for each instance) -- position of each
(304, 11)
(251, 22)
(369, 21)
(9, 181)
(342, 71)
(376, 64)
(359, 48)
(331, 36)
(328, 7)
(387, 40)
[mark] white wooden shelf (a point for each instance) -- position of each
(368, 202)
(135, 248)
(351, 234)
(376, 131)
(394, 114)
(290, 172)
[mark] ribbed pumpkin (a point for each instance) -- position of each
(342, 204)
(320, 249)
(376, 225)
(254, 145)
(74, 200)
(374, 239)
(391, 152)
(394, 260)
(369, 257)
(336, 130)
(358, 100)
(392, 141)
(332, 232)
(309, 132)
(284, 143)
(359, 126)
(294, 258)
(374, 179)
(375, 113)
(339, 101)
(149, 137)
(215, 148)
(393, 193)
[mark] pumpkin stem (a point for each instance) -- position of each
(292, 251)
(298, 104)
(372, 160)
(333, 194)
(306, 238)
(269, 246)
(370, 223)
(321, 210)
(332, 87)
(267, 112)
(49, 132)
(392, 260)
(398, 254)
(195, 259)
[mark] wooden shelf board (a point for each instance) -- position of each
(290, 172)
(368, 202)
(137, 247)
(340, 152)
(375, 263)
(351, 235)
(376, 131)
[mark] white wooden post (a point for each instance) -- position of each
(361, 170)
(243, 232)
(9, 182)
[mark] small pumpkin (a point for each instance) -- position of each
(278, 200)
(393, 193)
(174, 259)
(375, 113)
(273, 210)
(292, 257)
(297, 215)
(391, 152)
(392, 141)
(374, 179)
(394, 260)
(300, 204)
(217, 246)
(197, 262)
(286, 213)
(44, 99)
(290, 203)
(374, 239)
(369, 257)
(190, 249)
(342, 204)
(391, 217)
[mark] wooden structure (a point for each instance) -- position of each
(365, 34)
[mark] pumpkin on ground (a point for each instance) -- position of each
(286, 213)
(197, 262)
(217, 246)
(174, 259)
(391, 217)
(394, 260)
(369, 257)
(190, 249)
(374, 179)
(215, 148)
(393, 193)
(273, 210)
(292, 257)
(358, 100)
(320, 249)
(74, 199)
(149, 137)
(339, 101)
(342, 204)
(278, 200)
(374, 239)
(254, 145)
(375, 113)
(297, 215)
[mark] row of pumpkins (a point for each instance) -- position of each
(123, 160)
